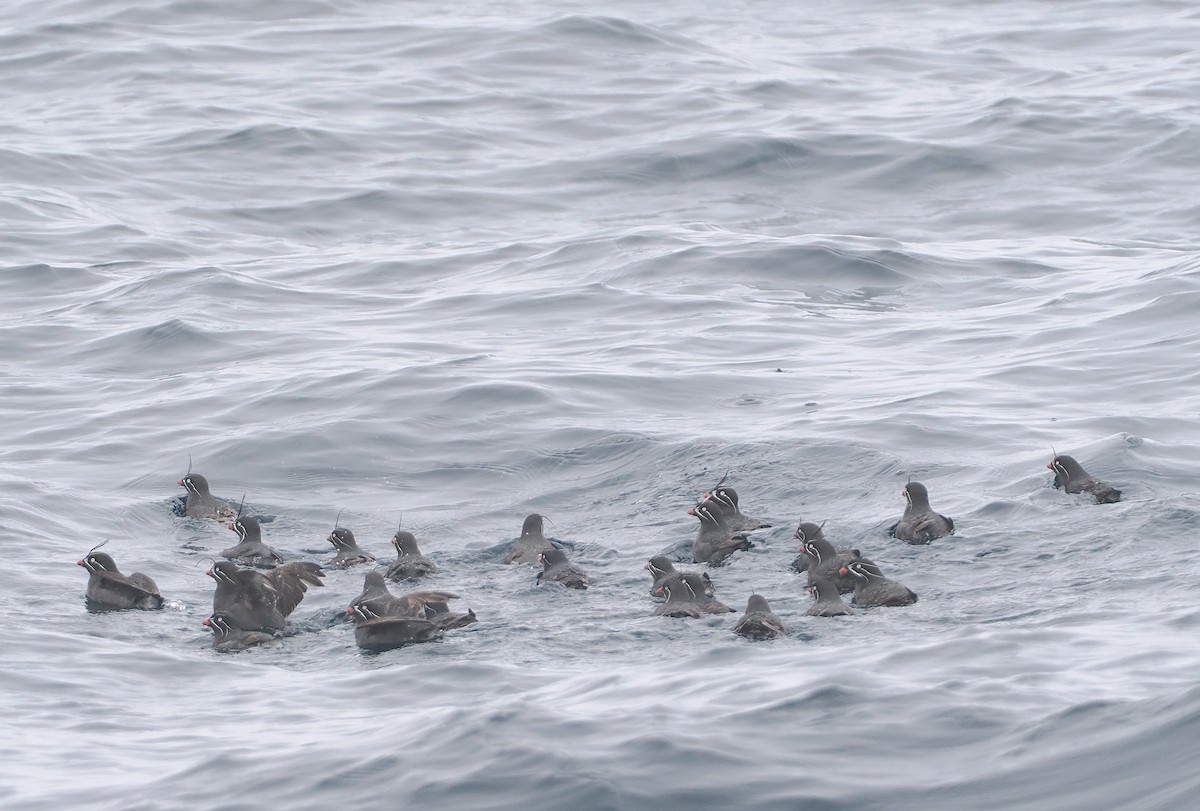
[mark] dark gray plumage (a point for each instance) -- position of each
(428, 605)
(250, 551)
(920, 524)
(829, 602)
(826, 561)
(759, 621)
(261, 601)
(1069, 475)
(557, 569)
(806, 531)
(661, 569)
(715, 540)
(348, 552)
(374, 588)
(701, 586)
(227, 638)
(872, 589)
(108, 589)
(532, 542)
(727, 498)
(200, 503)
(682, 600)
(376, 633)
(410, 564)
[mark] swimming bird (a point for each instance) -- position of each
(871, 588)
(348, 552)
(429, 605)
(532, 542)
(228, 638)
(682, 600)
(107, 588)
(806, 531)
(557, 569)
(1069, 475)
(825, 561)
(702, 588)
(661, 568)
(374, 588)
(261, 601)
(715, 540)
(727, 498)
(250, 551)
(200, 503)
(829, 602)
(920, 524)
(410, 564)
(376, 633)
(759, 621)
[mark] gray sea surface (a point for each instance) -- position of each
(449, 265)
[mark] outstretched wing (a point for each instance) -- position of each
(291, 581)
(416, 602)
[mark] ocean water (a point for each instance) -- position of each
(450, 265)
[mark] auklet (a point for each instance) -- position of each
(348, 553)
(227, 638)
(871, 588)
(251, 551)
(414, 604)
(806, 531)
(920, 524)
(715, 540)
(825, 561)
(108, 589)
(759, 621)
(682, 601)
(376, 632)
(532, 542)
(410, 564)
(431, 605)
(702, 587)
(727, 498)
(374, 588)
(200, 503)
(557, 569)
(261, 601)
(1069, 475)
(661, 568)
(829, 602)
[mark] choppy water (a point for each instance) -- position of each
(459, 264)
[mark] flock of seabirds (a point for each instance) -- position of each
(251, 604)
